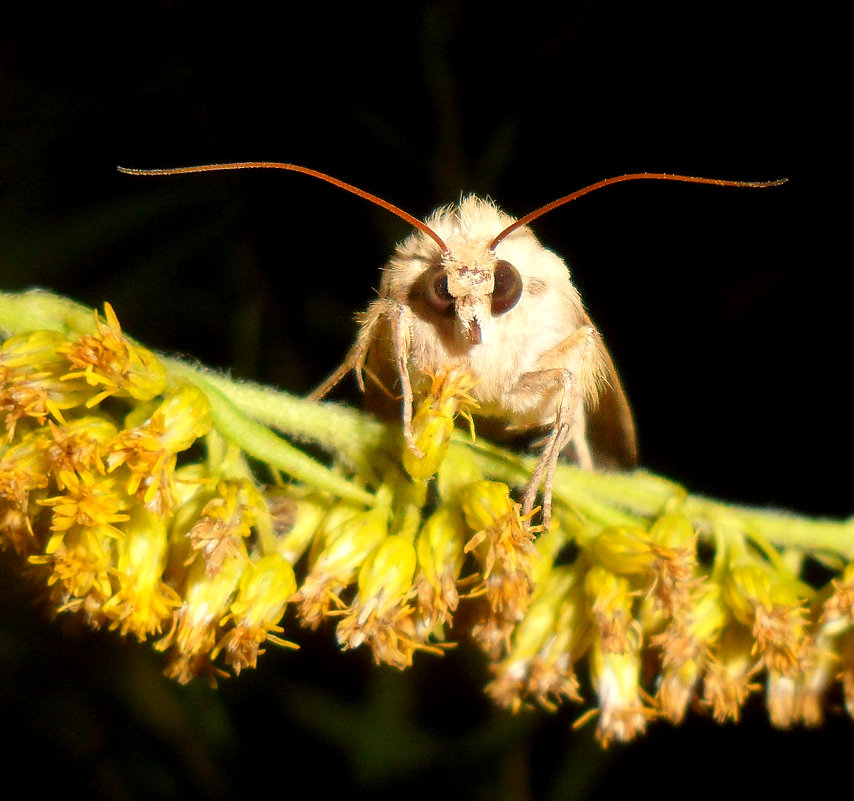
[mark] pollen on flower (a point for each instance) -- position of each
(545, 645)
(840, 605)
(846, 657)
(24, 397)
(79, 570)
(88, 499)
(380, 614)
(729, 676)
(194, 630)
(111, 362)
(780, 633)
(616, 677)
(503, 545)
(150, 450)
(225, 521)
(22, 474)
(686, 645)
(610, 598)
(265, 588)
(16, 529)
(433, 421)
(79, 446)
(337, 563)
(439, 547)
(774, 605)
(143, 601)
(675, 565)
(31, 388)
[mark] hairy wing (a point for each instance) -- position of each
(610, 425)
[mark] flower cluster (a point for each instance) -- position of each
(126, 487)
(92, 497)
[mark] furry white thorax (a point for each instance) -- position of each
(511, 344)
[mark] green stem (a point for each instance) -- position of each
(348, 434)
(639, 497)
(782, 529)
(261, 443)
(37, 310)
(243, 410)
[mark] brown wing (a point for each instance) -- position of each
(611, 426)
(382, 382)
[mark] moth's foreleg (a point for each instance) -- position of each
(570, 370)
(358, 353)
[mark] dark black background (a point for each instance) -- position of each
(725, 311)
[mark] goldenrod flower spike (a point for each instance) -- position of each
(136, 489)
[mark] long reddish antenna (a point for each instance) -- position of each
(276, 165)
(634, 176)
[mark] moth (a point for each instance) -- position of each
(472, 287)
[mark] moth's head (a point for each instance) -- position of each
(466, 284)
(471, 294)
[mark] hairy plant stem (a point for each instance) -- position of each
(245, 412)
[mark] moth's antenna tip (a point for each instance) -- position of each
(247, 165)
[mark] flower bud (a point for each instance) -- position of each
(143, 600)
(265, 588)
(110, 361)
(625, 550)
(433, 422)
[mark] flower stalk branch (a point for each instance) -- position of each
(132, 486)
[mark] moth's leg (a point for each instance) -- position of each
(571, 369)
(355, 358)
(568, 428)
(401, 325)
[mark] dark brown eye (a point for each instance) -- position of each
(508, 287)
(435, 292)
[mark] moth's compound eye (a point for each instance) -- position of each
(508, 287)
(436, 292)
